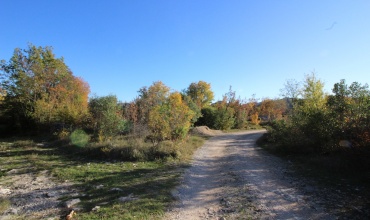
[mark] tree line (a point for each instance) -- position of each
(39, 93)
(323, 123)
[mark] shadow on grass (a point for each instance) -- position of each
(99, 182)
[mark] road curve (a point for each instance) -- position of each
(231, 178)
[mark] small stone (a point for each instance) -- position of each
(72, 202)
(13, 171)
(127, 198)
(116, 189)
(99, 186)
(51, 194)
(13, 211)
(96, 208)
(5, 191)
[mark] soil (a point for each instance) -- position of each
(33, 195)
(232, 178)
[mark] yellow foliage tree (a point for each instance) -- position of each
(200, 93)
(255, 118)
(170, 120)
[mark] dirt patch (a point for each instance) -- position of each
(33, 195)
(205, 131)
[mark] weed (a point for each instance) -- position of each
(4, 204)
(129, 166)
(79, 138)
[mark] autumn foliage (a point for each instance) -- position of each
(41, 90)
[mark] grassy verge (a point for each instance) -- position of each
(144, 185)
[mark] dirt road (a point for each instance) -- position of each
(231, 178)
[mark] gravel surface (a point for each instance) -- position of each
(33, 195)
(232, 178)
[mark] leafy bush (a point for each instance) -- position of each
(79, 138)
(318, 123)
(224, 118)
(207, 118)
(107, 120)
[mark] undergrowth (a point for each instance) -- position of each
(105, 172)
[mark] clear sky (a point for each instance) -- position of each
(119, 46)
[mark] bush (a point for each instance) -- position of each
(107, 120)
(207, 118)
(224, 118)
(79, 138)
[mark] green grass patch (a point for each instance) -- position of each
(4, 204)
(102, 180)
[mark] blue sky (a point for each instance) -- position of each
(119, 46)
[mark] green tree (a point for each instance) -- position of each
(171, 119)
(313, 93)
(349, 107)
(207, 118)
(106, 116)
(149, 98)
(41, 89)
(225, 113)
(200, 93)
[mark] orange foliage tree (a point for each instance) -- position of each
(171, 119)
(41, 89)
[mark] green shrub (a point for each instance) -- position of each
(4, 204)
(207, 118)
(79, 138)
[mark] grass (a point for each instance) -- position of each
(101, 182)
(4, 205)
(337, 168)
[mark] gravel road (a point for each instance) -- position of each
(232, 178)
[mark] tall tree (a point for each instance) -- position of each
(171, 119)
(107, 117)
(313, 92)
(41, 88)
(200, 93)
(156, 94)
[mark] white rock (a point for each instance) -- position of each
(5, 191)
(99, 186)
(96, 208)
(116, 189)
(127, 198)
(72, 202)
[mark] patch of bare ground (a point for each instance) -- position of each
(205, 131)
(231, 178)
(33, 195)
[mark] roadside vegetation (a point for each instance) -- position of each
(326, 136)
(40, 96)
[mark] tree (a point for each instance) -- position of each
(224, 113)
(313, 93)
(41, 89)
(291, 90)
(107, 117)
(273, 108)
(349, 107)
(224, 117)
(200, 93)
(171, 119)
(149, 98)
